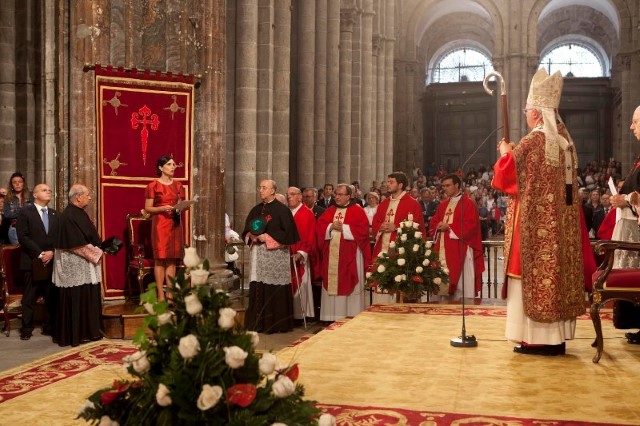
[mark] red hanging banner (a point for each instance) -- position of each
(141, 116)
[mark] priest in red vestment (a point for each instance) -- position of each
(457, 239)
(342, 234)
(544, 239)
(302, 253)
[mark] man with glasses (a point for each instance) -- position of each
(302, 253)
(544, 238)
(309, 198)
(342, 235)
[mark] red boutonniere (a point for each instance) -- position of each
(241, 394)
(268, 218)
(417, 279)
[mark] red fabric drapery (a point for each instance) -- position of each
(140, 116)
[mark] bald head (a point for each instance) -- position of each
(635, 123)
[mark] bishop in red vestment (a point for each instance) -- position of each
(456, 231)
(343, 240)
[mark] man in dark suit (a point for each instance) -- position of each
(309, 198)
(37, 228)
(327, 199)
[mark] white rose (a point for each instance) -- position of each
(227, 318)
(404, 277)
(283, 387)
(199, 277)
(189, 346)
(409, 223)
(401, 262)
(427, 253)
(429, 244)
(392, 244)
(140, 362)
(419, 269)
(425, 262)
(403, 238)
(399, 230)
(445, 270)
(416, 225)
(381, 254)
(106, 421)
(255, 338)
(417, 234)
(381, 268)
(164, 318)
(149, 308)
(194, 307)
(326, 420)
(163, 396)
(209, 397)
(437, 281)
(368, 275)
(416, 247)
(234, 356)
(397, 278)
(401, 250)
(267, 363)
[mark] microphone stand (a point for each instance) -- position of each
(464, 340)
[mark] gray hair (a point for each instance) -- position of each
(345, 186)
(76, 190)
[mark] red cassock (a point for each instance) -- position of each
(406, 206)
(358, 223)
(455, 250)
(306, 224)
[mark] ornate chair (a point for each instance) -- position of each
(139, 250)
(12, 283)
(612, 284)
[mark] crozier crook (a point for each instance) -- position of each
(503, 93)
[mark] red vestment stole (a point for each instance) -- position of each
(306, 225)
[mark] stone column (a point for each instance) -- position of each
(264, 113)
(7, 91)
(377, 126)
(366, 147)
(320, 95)
(388, 105)
(305, 90)
(49, 96)
(281, 92)
(245, 109)
(347, 19)
(210, 141)
(333, 91)
(356, 95)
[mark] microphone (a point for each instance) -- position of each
(464, 340)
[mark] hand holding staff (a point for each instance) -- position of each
(503, 93)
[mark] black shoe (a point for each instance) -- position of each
(633, 338)
(25, 336)
(546, 350)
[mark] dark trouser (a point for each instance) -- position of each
(32, 290)
(316, 289)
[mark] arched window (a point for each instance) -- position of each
(573, 60)
(461, 64)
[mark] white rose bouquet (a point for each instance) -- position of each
(196, 365)
(409, 267)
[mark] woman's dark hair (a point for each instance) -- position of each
(25, 195)
(161, 162)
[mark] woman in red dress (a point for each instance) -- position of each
(166, 233)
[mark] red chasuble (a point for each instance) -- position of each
(455, 250)
(306, 225)
(347, 273)
(405, 206)
(544, 230)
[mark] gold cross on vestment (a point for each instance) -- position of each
(448, 215)
(390, 214)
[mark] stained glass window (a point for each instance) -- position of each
(573, 60)
(462, 64)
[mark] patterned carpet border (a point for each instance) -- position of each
(485, 311)
(347, 415)
(59, 366)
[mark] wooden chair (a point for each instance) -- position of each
(139, 249)
(612, 284)
(11, 280)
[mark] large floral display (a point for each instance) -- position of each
(197, 366)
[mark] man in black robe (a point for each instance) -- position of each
(268, 231)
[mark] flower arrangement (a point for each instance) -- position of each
(196, 366)
(410, 267)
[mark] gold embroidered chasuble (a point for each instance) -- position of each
(550, 235)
